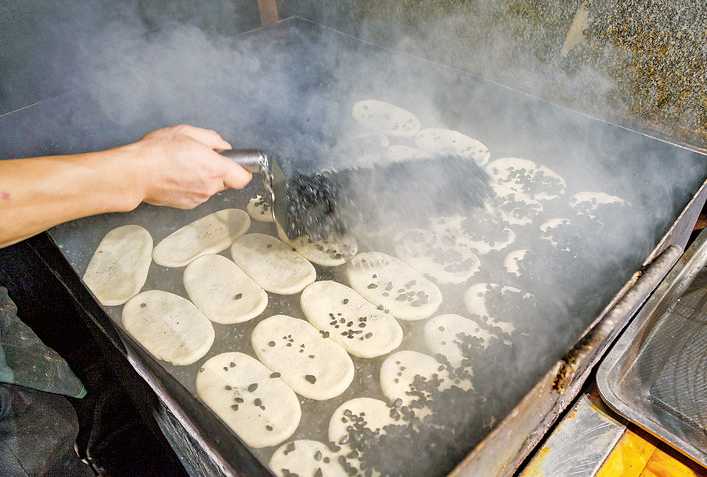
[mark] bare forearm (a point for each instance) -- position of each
(38, 193)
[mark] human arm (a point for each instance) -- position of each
(177, 167)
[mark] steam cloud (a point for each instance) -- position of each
(261, 94)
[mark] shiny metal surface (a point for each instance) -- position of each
(652, 376)
(579, 445)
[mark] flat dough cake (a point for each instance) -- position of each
(347, 318)
(222, 291)
(306, 458)
(260, 209)
(119, 266)
(255, 403)
(442, 336)
(393, 286)
(213, 233)
(354, 419)
(445, 261)
(590, 203)
(398, 372)
(330, 252)
(513, 260)
(551, 228)
(516, 207)
(315, 367)
(527, 177)
(488, 233)
(168, 326)
(475, 300)
(447, 141)
(272, 264)
(386, 118)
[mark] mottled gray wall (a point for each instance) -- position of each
(41, 40)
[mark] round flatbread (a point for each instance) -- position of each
(527, 177)
(255, 403)
(260, 209)
(442, 336)
(550, 229)
(400, 153)
(476, 300)
(213, 233)
(513, 260)
(516, 208)
(119, 266)
(347, 318)
(386, 118)
(306, 458)
(445, 261)
(393, 286)
(591, 203)
(480, 232)
(222, 291)
(272, 264)
(330, 252)
(447, 141)
(315, 367)
(168, 326)
(368, 413)
(398, 373)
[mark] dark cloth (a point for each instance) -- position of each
(37, 435)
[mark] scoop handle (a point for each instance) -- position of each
(253, 160)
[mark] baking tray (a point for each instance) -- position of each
(655, 376)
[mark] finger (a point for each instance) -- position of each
(233, 175)
(207, 137)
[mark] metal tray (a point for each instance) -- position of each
(655, 376)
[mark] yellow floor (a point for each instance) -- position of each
(637, 456)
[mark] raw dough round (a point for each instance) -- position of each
(445, 261)
(222, 291)
(249, 398)
(527, 177)
(393, 286)
(306, 458)
(168, 326)
(272, 264)
(512, 261)
(516, 208)
(447, 141)
(590, 203)
(330, 252)
(118, 269)
(398, 372)
(350, 320)
(260, 209)
(213, 233)
(386, 118)
(374, 412)
(441, 335)
(487, 234)
(315, 367)
(475, 301)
